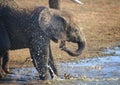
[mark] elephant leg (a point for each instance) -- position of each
(4, 47)
(5, 63)
(40, 53)
(40, 62)
(52, 65)
(4, 39)
(2, 73)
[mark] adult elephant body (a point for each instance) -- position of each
(34, 30)
(21, 25)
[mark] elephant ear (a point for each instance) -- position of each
(53, 25)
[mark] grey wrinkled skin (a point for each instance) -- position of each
(21, 30)
(34, 30)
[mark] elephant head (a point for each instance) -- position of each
(59, 26)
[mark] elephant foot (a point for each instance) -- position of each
(2, 73)
(7, 71)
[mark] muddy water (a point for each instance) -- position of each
(93, 71)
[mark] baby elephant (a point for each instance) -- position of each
(34, 30)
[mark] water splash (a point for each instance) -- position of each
(93, 71)
(55, 77)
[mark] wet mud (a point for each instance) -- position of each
(94, 71)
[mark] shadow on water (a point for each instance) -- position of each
(93, 71)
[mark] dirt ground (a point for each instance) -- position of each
(98, 19)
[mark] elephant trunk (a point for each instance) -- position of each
(81, 46)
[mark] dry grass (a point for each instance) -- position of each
(100, 20)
